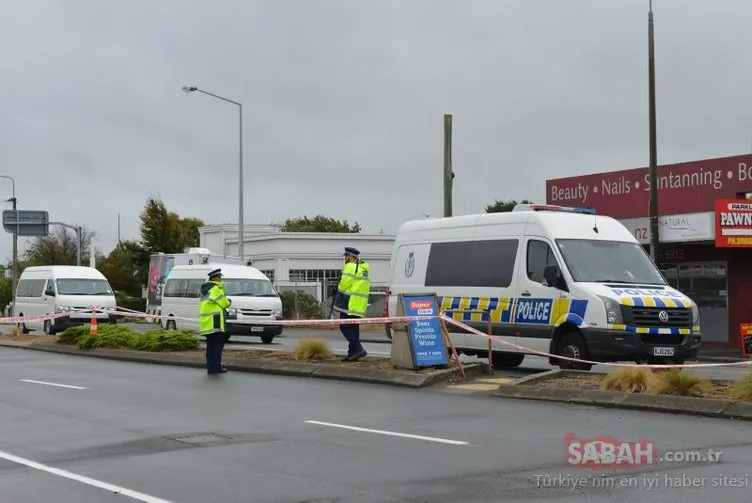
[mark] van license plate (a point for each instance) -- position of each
(261, 329)
(663, 351)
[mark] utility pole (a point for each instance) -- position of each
(448, 174)
(654, 227)
(118, 228)
(15, 259)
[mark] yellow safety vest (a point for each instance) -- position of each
(211, 308)
(353, 289)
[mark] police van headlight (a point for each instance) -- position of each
(277, 313)
(613, 311)
(62, 309)
(695, 315)
(232, 311)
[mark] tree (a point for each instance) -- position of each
(57, 248)
(164, 231)
(318, 223)
(504, 206)
(125, 267)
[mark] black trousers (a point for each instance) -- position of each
(215, 343)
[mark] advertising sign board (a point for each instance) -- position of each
(733, 223)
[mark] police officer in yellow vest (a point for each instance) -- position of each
(351, 300)
(211, 320)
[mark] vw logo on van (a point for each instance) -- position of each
(663, 317)
(410, 264)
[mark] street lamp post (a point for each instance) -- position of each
(241, 224)
(15, 248)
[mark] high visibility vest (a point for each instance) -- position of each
(211, 308)
(353, 289)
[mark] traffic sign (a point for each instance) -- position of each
(26, 222)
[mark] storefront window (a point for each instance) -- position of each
(705, 283)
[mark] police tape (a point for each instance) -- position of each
(611, 364)
(265, 321)
(15, 320)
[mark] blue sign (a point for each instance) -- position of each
(536, 311)
(426, 339)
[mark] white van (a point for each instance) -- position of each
(53, 289)
(560, 280)
(253, 297)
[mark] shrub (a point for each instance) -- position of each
(307, 306)
(631, 380)
(15, 331)
(166, 340)
(742, 389)
(312, 349)
(109, 336)
(72, 335)
(674, 381)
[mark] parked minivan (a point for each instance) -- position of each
(44, 290)
(252, 294)
(559, 280)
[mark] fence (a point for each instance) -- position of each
(323, 292)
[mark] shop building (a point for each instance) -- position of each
(305, 261)
(705, 230)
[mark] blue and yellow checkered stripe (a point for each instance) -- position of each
(646, 301)
(502, 309)
(655, 331)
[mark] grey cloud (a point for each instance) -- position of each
(343, 102)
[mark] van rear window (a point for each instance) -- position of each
(487, 263)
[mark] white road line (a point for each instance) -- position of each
(51, 384)
(391, 433)
(84, 480)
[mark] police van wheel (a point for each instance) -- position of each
(170, 325)
(572, 346)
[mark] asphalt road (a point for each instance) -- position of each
(291, 440)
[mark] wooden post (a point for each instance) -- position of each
(448, 174)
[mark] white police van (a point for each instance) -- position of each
(560, 280)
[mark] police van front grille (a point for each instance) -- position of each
(662, 339)
(650, 317)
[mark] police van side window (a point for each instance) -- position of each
(488, 263)
(539, 255)
(193, 288)
(23, 288)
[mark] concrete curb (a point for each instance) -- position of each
(527, 390)
(404, 378)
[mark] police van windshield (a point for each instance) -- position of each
(249, 287)
(591, 261)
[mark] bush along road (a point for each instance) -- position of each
(311, 357)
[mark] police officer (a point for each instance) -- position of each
(351, 300)
(211, 320)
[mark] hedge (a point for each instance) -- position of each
(308, 306)
(119, 337)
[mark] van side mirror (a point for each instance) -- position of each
(50, 292)
(554, 278)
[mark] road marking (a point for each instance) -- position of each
(84, 480)
(51, 384)
(391, 433)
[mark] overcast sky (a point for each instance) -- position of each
(343, 102)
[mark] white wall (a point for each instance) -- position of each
(282, 252)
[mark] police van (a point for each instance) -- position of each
(553, 279)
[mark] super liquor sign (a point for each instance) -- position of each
(733, 223)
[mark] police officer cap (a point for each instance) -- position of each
(215, 272)
(351, 251)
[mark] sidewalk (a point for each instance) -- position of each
(720, 355)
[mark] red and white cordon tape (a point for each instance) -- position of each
(14, 320)
(339, 321)
(611, 364)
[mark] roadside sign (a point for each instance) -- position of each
(745, 338)
(26, 222)
(426, 336)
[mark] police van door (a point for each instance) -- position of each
(538, 305)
